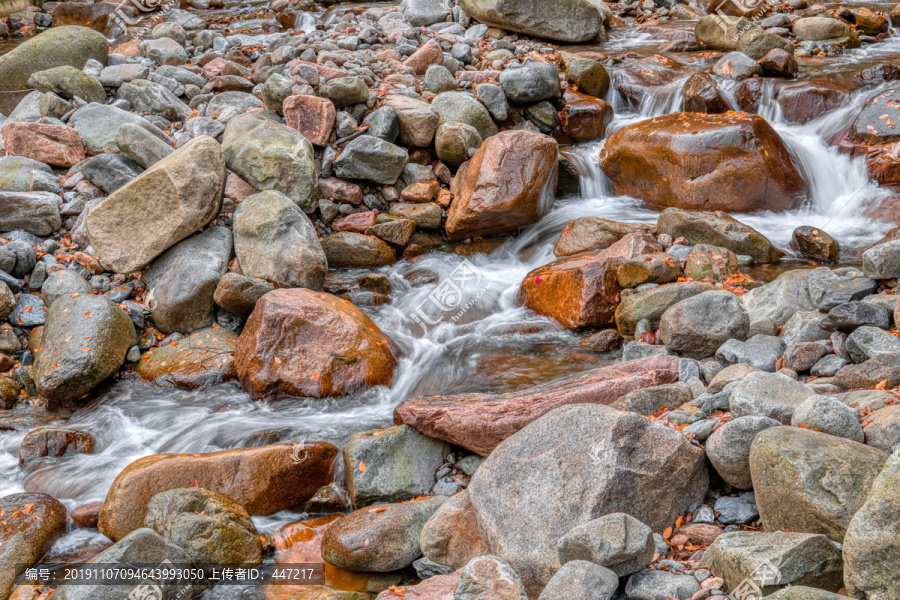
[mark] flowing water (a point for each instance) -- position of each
(485, 343)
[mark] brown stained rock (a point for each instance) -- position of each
(238, 294)
(263, 480)
(803, 101)
(587, 233)
(451, 537)
(357, 222)
(204, 358)
(479, 422)
(31, 522)
(699, 534)
(303, 343)
(339, 190)
(508, 184)
(312, 116)
(586, 116)
(439, 587)
(780, 63)
(582, 290)
(814, 242)
(87, 516)
(602, 341)
(54, 442)
(430, 53)
(702, 95)
(733, 162)
(55, 145)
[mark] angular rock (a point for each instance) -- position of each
(617, 541)
(52, 144)
(34, 212)
(418, 119)
(697, 326)
(372, 159)
(489, 578)
(202, 359)
(772, 395)
(728, 448)
(33, 522)
(652, 304)
(312, 116)
(780, 299)
(450, 537)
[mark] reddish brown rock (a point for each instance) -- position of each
(87, 516)
(450, 537)
(702, 95)
(439, 587)
(508, 184)
(587, 233)
(602, 341)
(814, 242)
(339, 190)
(54, 442)
(312, 116)
(883, 164)
(303, 343)
(734, 162)
(699, 534)
(237, 189)
(214, 67)
(803, 101)
(263, 480)
(428, 54)
(582, 290)
(421, 191)
(479, 76)
(479, 422)
(748, 94)
(635, 79)
(31, 522)
(55, 145)
(780, 63)
(357, 222)
(204, 358)
(586, 117)
(239, 294)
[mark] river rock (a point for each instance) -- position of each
(569, 21)
(479, 422)
(59, 46)
(649, 401)
(141, 146)
(761, 351)
(773, 395)
(757, 44)
(702, 95)
(32, 524)
(737, 66)
(801, 559)
(883, 429)
(63, 283)
(312, 116)
(489, 578)
(721, 34)
(717, 154)
(454, 141)
(85, 340)
(825, 414)
(451, 537)
(348, 249)
(239, 294)
(303, 343)
(532, 82)
(697, 326)
(718, 229)
(99, 124)
(150, 97)
(398, 463)
(870, 546)
(458, 107)
(371, 159)
(873, 372)
(212, 528)
(616, 541)
(34, 212)
(653, 303)
(418, 119)
(811, 482)
(508, 184)
(581, 580)
(21, 174)
(815, 243)
(850, 316)
(707, 262)
(379, 538)
(822, 28)
(127, 231)
(595, 450)
(109, 172)
(871, 342)
(262, 480)
(587, 117)
(780, 299)
(345, 91)
(882, 261)
(182, 281)
(270, 156)
(54, 442)
(728, 448)
(55, 145)
(274, 240)
(653, 584)
(202, 359)
(589, 233)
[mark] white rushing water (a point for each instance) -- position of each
(491, 345)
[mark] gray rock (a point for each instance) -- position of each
(773, 395)
(383, 124)
(228, 105)
(34, 212)
(809, 481)
(110, 172)
(489, 578)
(870, 342)
(345, 91)
(149, 97)
(581, 580)
(30, 311)
(420, 13)
(780, 299)
(22, 174)
(659, 585)
(164, 51)
(68, 82)
(573, 465)
(63, 283)
(493, 97)
(427, 569)
(182, 281)
(827, 366)
(801, 559)
(418, 119)
(883, 429)
(825, 414)
(617, 541)
(115, 75)
(371, 159)
(728, 448)
(400, 464)
(274, 91)
(882, 261)
(454, 143)
(845, 290)
(804, 326)
(569, 21)
(98, 125)
(141, 146)
(530, 83)
(276, 241)
(737, 66)
(459, 107)
(736, 510)
(439, 79)
(697, 326)
(761, 351)
(648, 401)
(635, 350)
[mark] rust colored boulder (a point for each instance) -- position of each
(586, 116)
(312, 116)
(803, 101)
(815, 243)
(55, 145)
(479, 422)
(263, 480)
(508, 184)
(31, 522)
(582, 290)
(702, 95)
(451, 537)
(54, 442)
(303, 343)
(204, 358)
(733, 162)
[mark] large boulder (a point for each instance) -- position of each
(165, 204)
(34, 212)
(182, 281)
(262, 480)
(872, 543)
(719, 229)
(697, 326)
(508, 184)
(270, 156)
(303, 343)
(566, 21)
(32, 522)
(571, 466)
(480, 421)
(274, 240)
(59, 46)
(85, 340)
(735, 163)
(811, 482)
(781, 299)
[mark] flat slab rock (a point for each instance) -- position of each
(479, 422)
